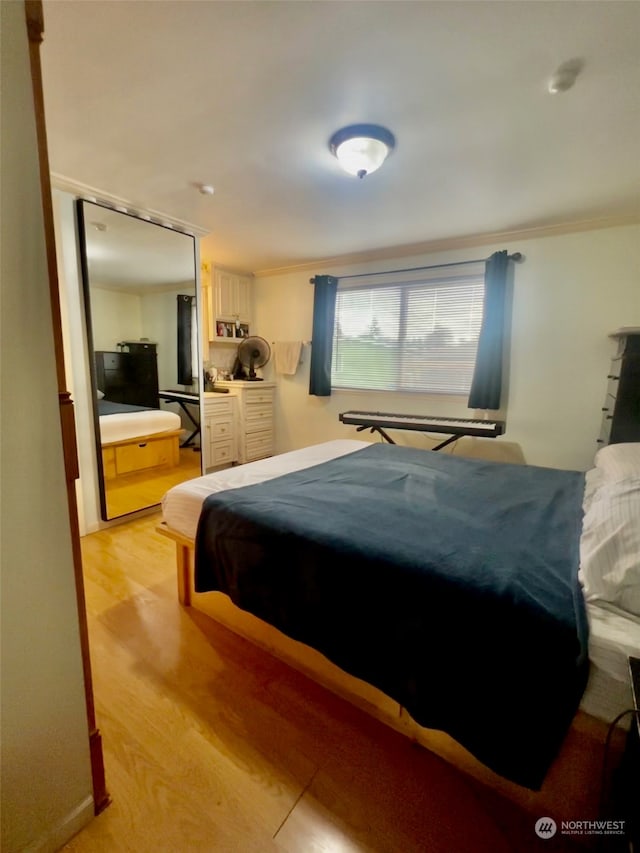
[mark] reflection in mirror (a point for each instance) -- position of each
(140, 304)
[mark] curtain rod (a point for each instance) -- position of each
(516, 256)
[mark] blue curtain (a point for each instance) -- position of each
(185, 376)
(324, 312)
(487, 377)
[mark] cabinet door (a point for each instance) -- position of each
(230, 305)
(244, 298)
(226, 286)
(219, 440)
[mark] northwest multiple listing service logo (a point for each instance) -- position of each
(546, 827)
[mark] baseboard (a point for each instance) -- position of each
(58, 835)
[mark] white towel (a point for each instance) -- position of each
(287, 356)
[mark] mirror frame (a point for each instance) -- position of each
(81, 231)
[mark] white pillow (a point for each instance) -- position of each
(610, 544)
(100, 394)
(619, 461)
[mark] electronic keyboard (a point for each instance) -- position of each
(455, 427)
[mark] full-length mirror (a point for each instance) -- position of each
(141, 309)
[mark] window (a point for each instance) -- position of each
(419, 335)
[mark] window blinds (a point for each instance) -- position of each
(419, 335)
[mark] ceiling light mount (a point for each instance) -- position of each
(565, 76)
(362, 148)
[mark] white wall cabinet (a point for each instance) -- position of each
(255, 418)
(219, 441)
(227, 298)
(233, 296)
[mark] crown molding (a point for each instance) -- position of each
(88, 193)
(450, 243)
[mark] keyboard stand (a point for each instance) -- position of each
(185, 399)
(442, 444)
(376, 429)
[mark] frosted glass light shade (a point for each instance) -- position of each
(362, 148)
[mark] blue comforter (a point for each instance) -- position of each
(451, 584)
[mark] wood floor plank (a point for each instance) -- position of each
(312, 828)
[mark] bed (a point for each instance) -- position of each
(603, 633)
(137, 438)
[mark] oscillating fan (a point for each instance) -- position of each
(253, 352)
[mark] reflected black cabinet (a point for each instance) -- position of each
(621, 410)
(129, 377)
(144, 372)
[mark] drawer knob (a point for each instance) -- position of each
(611, 376)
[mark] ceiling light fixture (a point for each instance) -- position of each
(362, 148)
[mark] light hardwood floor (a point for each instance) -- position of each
(213, 745)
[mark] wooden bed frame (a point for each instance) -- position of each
(572, 789)
(130, 455)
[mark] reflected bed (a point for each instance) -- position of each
(136, 438)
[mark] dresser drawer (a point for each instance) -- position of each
(258, 417)
(220, 452)
(259, 445)
(112, 360)
(217, 407)
(146, 454)
(219, 428)
(262, 396)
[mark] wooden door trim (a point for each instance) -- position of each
(35, 29)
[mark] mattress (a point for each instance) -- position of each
(126, 425)
(614, 634)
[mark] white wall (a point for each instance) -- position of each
(46, 774)
(115, 316)
(570, 292)
(159, 313)
(118, 316)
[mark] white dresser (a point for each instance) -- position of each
(254, 419)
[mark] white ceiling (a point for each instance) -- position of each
(146, 99)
